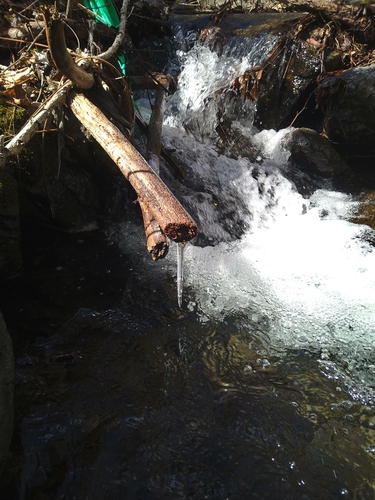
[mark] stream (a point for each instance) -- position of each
(257, 380)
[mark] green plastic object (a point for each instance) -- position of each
(104, 10)
(107, 14)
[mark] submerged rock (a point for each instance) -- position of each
(6, 391)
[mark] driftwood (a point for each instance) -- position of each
(175, 223)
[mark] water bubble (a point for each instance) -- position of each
(265, 363)
(371, 449)
(314, 416)
(292, 464)
(344, 491)
(347, 404)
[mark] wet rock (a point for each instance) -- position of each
(349, 109)
(74, 199)
(65, 196)
(286, 84)
(314, 154)
(365, 214)
(10, 255)
(6, 391)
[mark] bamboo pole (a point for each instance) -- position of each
(173, 220)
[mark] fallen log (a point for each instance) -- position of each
(156, 241)
(173, 220)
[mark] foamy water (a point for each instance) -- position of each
(302, 274)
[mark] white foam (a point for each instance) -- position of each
(303, 276)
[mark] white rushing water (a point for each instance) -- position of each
(302, 274)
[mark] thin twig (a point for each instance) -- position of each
(120, 34)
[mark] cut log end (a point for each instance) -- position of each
(181, 232)
(159, 251)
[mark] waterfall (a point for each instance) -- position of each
(301, 273)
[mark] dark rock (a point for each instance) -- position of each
(286, 85)
(6, 391)
(314, 154)
(10, 255)
(350, 112)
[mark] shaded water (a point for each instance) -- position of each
(260, 386)
(141, 399)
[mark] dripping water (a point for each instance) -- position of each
(180, 272)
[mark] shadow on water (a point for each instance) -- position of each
(119, 394)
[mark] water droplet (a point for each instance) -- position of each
(292, 465)
(314, 416)
(344, 491)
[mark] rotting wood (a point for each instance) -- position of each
(60, 55)
(173, 220)
(156, 241)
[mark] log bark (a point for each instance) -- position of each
(173, 220)
(156, 241)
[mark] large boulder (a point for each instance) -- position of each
(348, 102)
(6, 391)
(314, 154)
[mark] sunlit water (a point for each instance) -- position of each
(301, 264)
(261, 385)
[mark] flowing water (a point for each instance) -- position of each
(261, 385)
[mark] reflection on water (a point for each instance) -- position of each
(143, 400)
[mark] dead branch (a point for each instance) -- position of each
(120, 34)
(173, 220)
(60, 55)
(57, 99)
